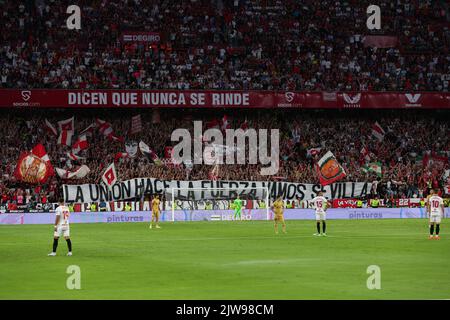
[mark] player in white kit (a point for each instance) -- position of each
(320, 204)
(61, 228)
(435, 214)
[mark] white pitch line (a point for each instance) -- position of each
(244, 238)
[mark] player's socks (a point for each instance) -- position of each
(438, 228)
(318, 227)
(324, 227)
(431, 229)
(69, 245)
(55, 244)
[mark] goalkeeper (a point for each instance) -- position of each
(237, 206)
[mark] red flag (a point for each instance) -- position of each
(65, 137)
(80, 144)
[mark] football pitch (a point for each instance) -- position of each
(228, 260)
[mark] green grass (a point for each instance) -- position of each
(228, 260)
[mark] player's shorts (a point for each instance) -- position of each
(321, 216)
(435, 219)
(155, 213)
(279, 217)
(62, 231)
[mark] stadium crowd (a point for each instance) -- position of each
(304, 137)
(217, 44)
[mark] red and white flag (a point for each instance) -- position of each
(34, 167)
(65, 137)
(74, 156)
(80, 144)
(106, 129)
(136, 124)
(109, 176)
(66, 125)
(378, 132)
(78, 173)
(50, 128)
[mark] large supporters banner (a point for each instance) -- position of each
(136, 188)
(220, 99)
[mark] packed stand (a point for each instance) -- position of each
(216, 44)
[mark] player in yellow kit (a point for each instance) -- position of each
(155, 212)
(279, 218)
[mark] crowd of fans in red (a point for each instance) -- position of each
(217, 44)
(408, 137)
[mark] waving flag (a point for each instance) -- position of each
(65, 137)
(50, 128)
(34, 167)
(149, 153)
(109, 177)
(329, 170)
(74, 156)
(378, 132)
(80, 144)
(106, 129)
(66, 125)
(375, 167)
(78, 173)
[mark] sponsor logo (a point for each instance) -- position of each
(289, 96)
(352, 101)
(413, 99)
(365, 215)
(26, 95)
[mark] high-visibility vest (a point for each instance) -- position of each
(127, 207)
(375, 203)
(359, 203)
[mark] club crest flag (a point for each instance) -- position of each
(34, 167)
(329, 170)
(109, 177)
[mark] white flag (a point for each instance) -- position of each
(109, 177)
